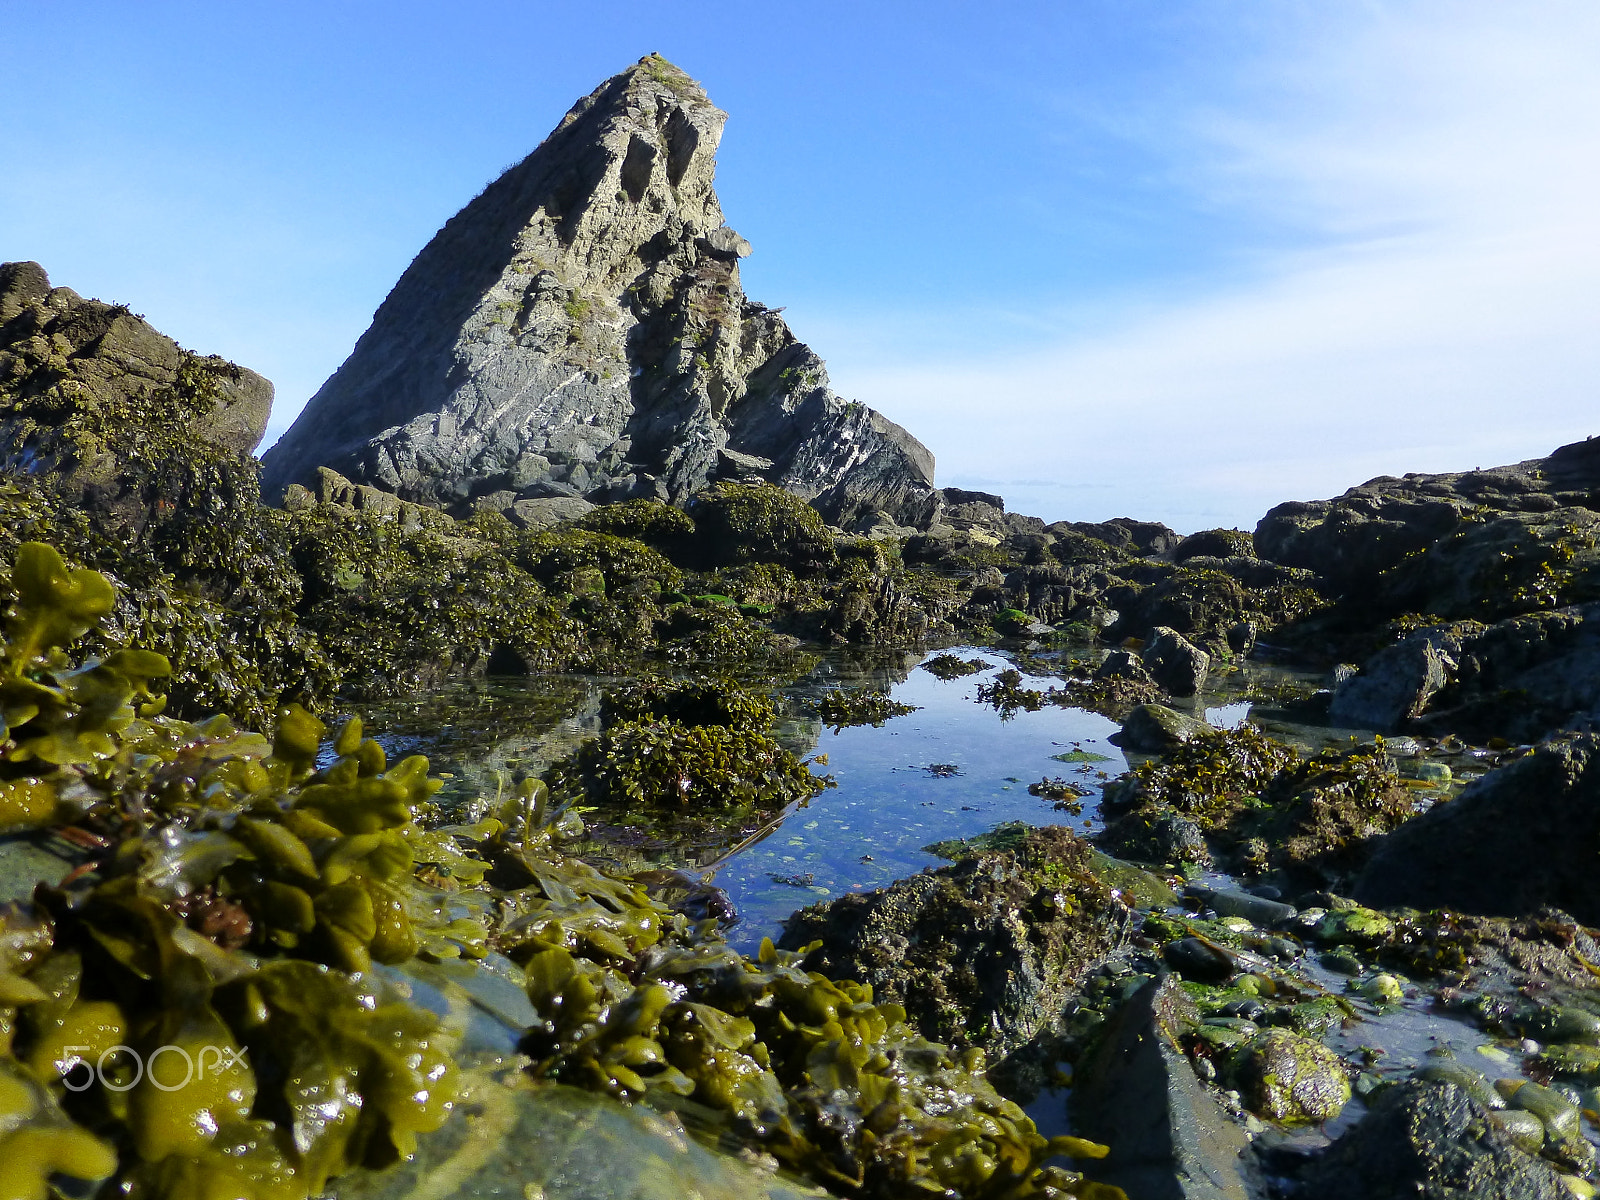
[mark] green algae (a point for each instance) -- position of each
(244, 892)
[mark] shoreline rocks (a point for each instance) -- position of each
(983, 952)
(1522, 837)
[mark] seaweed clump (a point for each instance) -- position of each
(638, 1004)
(210, 840)
(697, 700)
(1264, 806)
(684, 746)
(740, 522)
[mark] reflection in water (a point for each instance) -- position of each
(950, 770)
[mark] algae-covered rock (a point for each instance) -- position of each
(1353, 927)
(1430, 1140)
(1286, 1077)
(1157, 729)
(821, 1076)
(979, 953)
(738, 522)
(127, 424)
(1155, 834)
(1260, 804)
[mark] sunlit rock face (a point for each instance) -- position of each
(580, 329)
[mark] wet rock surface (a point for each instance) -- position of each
(1434, 1141)
(983, 952)
(1171, 1139)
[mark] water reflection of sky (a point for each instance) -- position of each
(870, 830)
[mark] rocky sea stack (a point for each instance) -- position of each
(578, 332)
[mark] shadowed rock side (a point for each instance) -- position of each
(1521, 837)
(579, 329)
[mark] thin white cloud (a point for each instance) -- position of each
(1443, 164)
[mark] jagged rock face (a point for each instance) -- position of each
(120, 420)
(579, 329)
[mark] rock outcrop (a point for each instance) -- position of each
(579, 329)
(1518, 839)
(1504, 538)
(122, 422)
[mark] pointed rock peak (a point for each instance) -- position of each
(580, 330)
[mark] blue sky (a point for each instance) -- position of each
(1177, 259)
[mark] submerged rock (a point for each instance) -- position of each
(1430, 1141)
(579, 328)
(1519, 838)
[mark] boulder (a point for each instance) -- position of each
(1170, 1138)
(1178, 666)
(1428, 1141)
(1215, 543)
(582, 323)
(1157, 835)
(1396, 684)
(1286, 1077)
(918, 941)
(1520, 838)
(1157, 729)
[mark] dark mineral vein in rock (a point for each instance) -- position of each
(579, 329)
